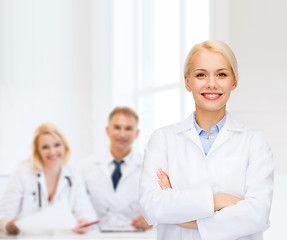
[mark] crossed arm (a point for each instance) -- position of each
(176, 206)
(220, 200)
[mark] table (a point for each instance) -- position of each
(92, 234)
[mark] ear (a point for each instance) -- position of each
(187, 84)
(137, 133)
(107, 130)
(234, 84)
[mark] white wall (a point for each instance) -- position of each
(45, 75)
(255, 30)
(102, 94)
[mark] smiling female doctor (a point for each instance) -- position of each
(43, 180)
(208, 177)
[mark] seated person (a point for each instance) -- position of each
(43, 180)
(112, 176)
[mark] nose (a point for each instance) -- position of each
(212, 82)
(122, 132)
(53, 150)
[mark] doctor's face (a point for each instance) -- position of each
(122, 131)
(51, 150)
(210, 80)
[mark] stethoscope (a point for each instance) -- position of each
(40, 189)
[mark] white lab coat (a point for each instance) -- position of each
(239, 163)
(21, 197)
(114, 208)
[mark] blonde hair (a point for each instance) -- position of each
(47, 128)
(124, 110)
(214, 46)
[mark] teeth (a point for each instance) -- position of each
(211, 95)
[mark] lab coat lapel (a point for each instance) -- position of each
(63, 181)
(102, 163)
(187, 128)
(42, 180)
(225, 133)
(193, 136)
(103, 166)
(131, 167)
(221, 138)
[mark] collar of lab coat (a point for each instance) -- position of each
(102, 161)
(106, 158)
(63, 182)
(188, 124)
(187, 127)
(133, 162)
(127, 159)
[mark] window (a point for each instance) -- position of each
(151, 39)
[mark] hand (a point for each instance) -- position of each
(79, 229)
(140, 223)
(12, 228)
(192, 224)
(163, 179)
(222, 200)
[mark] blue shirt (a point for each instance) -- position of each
(206, 140)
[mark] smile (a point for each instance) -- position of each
(211, 96)
(122, 141)
(54, 158)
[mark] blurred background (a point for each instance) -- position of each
(71, 62)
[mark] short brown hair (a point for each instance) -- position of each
(47, 128)
(124, 110)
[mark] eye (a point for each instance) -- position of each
(200, 75)
(45, 147)
(222, 75)
(129, 129)
(58, 144)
